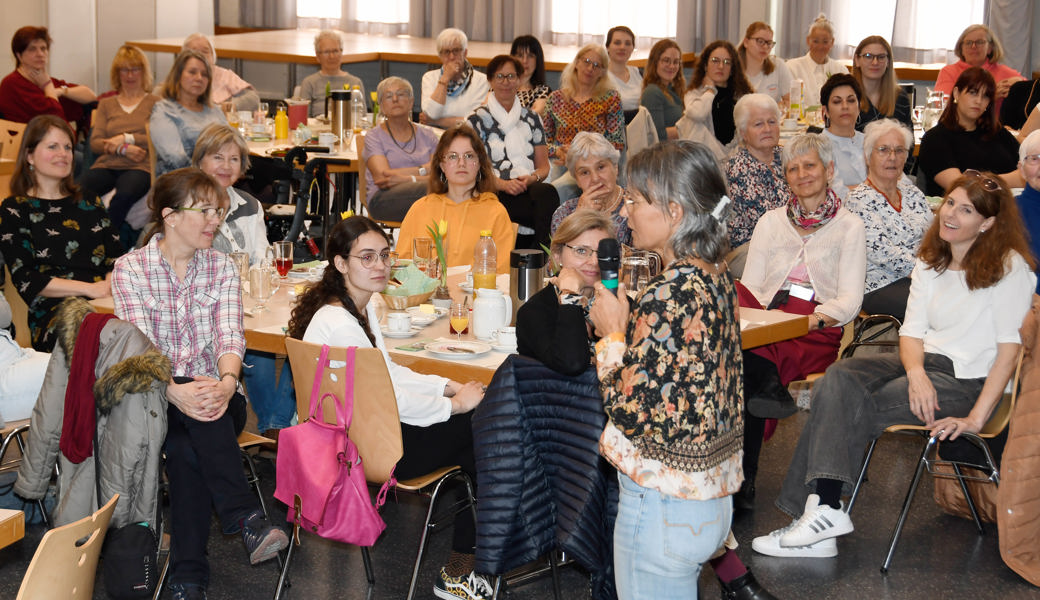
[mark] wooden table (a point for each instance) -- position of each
(12, 526)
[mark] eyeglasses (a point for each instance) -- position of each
(878, 58)
(505, 77)
(671, 62)
(451, 52)
(129, 70)
(1032, 160)
(595, 65)
(988, 183)
(368, 259)
(975, 43)
(896, 151)
(582, 251)
(209, 212)
(331, 52)
(715, 60)
(451, 157)
(763, 42)
(398, 95)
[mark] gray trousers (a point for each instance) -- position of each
(392, 204)
(852, 404)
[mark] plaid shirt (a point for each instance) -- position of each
(193, 322)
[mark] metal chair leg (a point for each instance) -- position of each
(967, 497)
(367, 559)
(862, 475)
(921, 464)
(294, 540)
(555, 575)
(428, 525)
(17, 435)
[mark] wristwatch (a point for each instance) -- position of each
(235, 377)
(820, 323)
(423, 172)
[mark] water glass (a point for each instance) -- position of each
(283, 257)
(261, 286)
(422, 254)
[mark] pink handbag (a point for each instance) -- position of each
(319, 463)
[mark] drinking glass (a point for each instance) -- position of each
(283, 257)
(635, 273)
(241, 260)
(260, 114)
(458, 319)
(261, 286)
(422, 254)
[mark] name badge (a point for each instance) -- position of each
(802, 292)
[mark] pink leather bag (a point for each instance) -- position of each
(319, 463)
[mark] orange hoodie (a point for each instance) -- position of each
(465, 220)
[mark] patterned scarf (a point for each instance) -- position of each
(817, 218)
(456, 88)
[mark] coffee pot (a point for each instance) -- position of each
(337, 107)
(526, 276)
(491, 311)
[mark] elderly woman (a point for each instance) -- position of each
(978, 47)
(57, 241)
(767, 75)
(957, 352)
(816, 66)
(663, 86)
(664, 369)
(620, 44)
(531, 89)
(807, 258)
(882, 97)
(840, 96)
(30, 90)
(968, 136)
(594, 163)
(895, 217)
(515, 142)
(716, 85)
(397, 153)
(120, 136)
(754, 171)
(227, 86)
(451, 93)
(328, 48)
(462, 194)
(1029, 200)
(183, 111)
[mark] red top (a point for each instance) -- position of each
(21, 100)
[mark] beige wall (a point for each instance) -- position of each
(15, 14)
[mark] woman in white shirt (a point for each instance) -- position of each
(435, 411)
(816, 66)
(452, 92)
(767, 75)
(840, 96)
(621, 42)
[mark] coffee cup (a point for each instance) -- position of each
(399, 322)
(506, 336)
(327, 139)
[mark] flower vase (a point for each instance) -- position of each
(441, 295)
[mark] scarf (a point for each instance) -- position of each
(517, 136)
(79, 419)
(817, 218)
(455, 88)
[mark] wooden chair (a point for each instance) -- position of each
(359, 145)
(930, 460)
(63, 566)
(10, 138)
(376, 430)
(16, 431)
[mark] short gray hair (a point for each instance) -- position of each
(747, 104)
(875, 129)
(391, 81)
(1030, 145)
(589, 144)
(687, 173)
(202, 36)
(451, 35)
(806, 143)
(327, 35)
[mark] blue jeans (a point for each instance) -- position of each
(274, 406)
(661, 542)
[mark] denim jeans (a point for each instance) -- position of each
(274, 406)
(661, 542)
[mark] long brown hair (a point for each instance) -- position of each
(985, 263)
(24, 179)
(972, 79)
(650, 76)
(332, 287)
(171, 87)
(738, 81)
(889, 85)
(438, 184)
(767, 64)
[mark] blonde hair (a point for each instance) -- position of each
(996, 50)
(577, 223)
(569, 77)
(215, 137)
(130, 56)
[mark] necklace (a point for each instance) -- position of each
(403, 146)
(897, 205)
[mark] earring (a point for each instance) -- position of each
(31, 168)
(443, 178)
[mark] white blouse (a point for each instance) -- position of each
(630, 92)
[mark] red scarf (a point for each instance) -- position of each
(80, 418)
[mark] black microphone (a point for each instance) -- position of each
(609, 254)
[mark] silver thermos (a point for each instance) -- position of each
(526, 273)
(340, 115)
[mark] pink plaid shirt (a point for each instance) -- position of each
(193, 322)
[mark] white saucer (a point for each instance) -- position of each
(400, 334)
(505, 349)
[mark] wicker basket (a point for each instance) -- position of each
(403, 302)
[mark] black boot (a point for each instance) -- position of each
(745, 587)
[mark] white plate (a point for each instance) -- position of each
(466, 286)
(506, 349)
(400, 334)
(444, 349)
(422, 319)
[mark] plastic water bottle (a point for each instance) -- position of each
(358, 109)
(795, 110)
(485, 262)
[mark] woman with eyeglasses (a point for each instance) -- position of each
(451, 93)
(882, 96)
(663, 87)
(972, 285)
(895, 217)
(461, 193)
(434, 411)
(816, 66)
(531, 89)
(840, 96)
(627, 80)
(968, 136)
(767, 75)
(119, 138)
(515, 142)
(593, 161)
(978, 47)
(328, 48)
(717, 84)
(186, 298)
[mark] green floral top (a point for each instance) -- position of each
(674, 396)
(71, 238)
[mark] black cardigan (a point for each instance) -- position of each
(554, 334)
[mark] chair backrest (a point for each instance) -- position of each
(376, 426)
(1001, 415)
(151, 152)
(359, 146)
(10, 138)
(62, 566)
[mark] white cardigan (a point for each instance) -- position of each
(696, 124)
(835, 257)
(454, 106)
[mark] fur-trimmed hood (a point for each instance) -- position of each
(134, 374)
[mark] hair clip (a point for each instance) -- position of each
(719, 207)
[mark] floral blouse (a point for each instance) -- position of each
(565, 118)
(754, 188)
(621, 231)
(892, 237)
(528, 97)
(673, 393)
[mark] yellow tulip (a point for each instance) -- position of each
(442, 228)
(346, 214)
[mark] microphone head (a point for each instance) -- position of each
(609, 256)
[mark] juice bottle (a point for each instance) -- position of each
(485, 262)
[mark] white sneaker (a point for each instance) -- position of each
(770, 546)
(817, 523)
